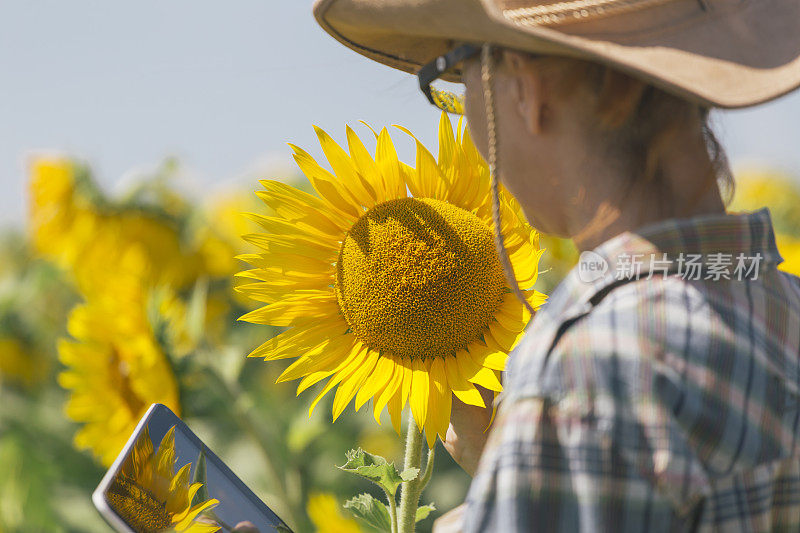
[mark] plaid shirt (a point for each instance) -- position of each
(660, 404)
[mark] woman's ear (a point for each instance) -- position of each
(527, 90)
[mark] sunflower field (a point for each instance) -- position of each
(109, 304)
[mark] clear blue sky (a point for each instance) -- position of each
(223, 86)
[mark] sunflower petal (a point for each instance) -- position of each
(420, 391)
(314, 362)
(489, 355)
(389, 165)
(291, 311)
(366, 167)
(381, 376)
(440, 403)
(512, 314)
(280, 226)
(383, 397)
(344, 369)
(505, 340)
(326, 185)
(301, 208)
(487, 378)
(463, 389)
(348, 387)
(344, 168)
(296, 341)
(396, 409)
(284, 244)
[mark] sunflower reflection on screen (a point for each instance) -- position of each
(151, 496)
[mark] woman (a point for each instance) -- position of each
(659, 388)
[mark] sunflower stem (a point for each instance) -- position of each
(393, 512)
(409, 498)
(426, 477)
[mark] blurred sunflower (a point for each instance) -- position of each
(395, 298)
(115, 366)
(780, 192)
(73, 224)
(151, 496)
(789, 248)
(61, 220)
(323, 510)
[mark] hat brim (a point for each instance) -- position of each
(731, 55)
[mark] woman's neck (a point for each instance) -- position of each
(686, 187)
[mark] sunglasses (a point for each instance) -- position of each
(445, 100)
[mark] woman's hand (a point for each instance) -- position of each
(468, 431)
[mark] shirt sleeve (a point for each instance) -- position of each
(546, 469)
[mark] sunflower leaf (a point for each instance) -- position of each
(374, 468)
(424, 510)
(410, 474)
(365, 507)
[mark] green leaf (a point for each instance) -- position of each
(371, 511)
(374, 468)
(424, 510)
(410, 474)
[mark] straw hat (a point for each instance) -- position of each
(723, 53)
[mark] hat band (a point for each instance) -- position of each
(574, 11)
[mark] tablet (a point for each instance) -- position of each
(166, 479)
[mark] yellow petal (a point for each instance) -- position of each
(512, 314)
(360, 190)
(425, 180)
(297, 266)
(348, 387)
(285, 244)
(270, 292)
(344, 369)
(312, 379)
(294, 310)
(440, 402)
(386, 394)
(366, 167)
(489, 355)
(506, 340)
(389, 165)
(535, 298)
(463, 389)
(280, 226)
(487, 379)
(296, 341)
(327, 185)
(316, 361)
(298, 207)
(420, 390)
(381, 375)
(395, 407)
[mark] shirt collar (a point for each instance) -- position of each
(669, 246)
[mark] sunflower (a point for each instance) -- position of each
(74, 225)
(115, 368)
(397, 298)
(150, 496)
